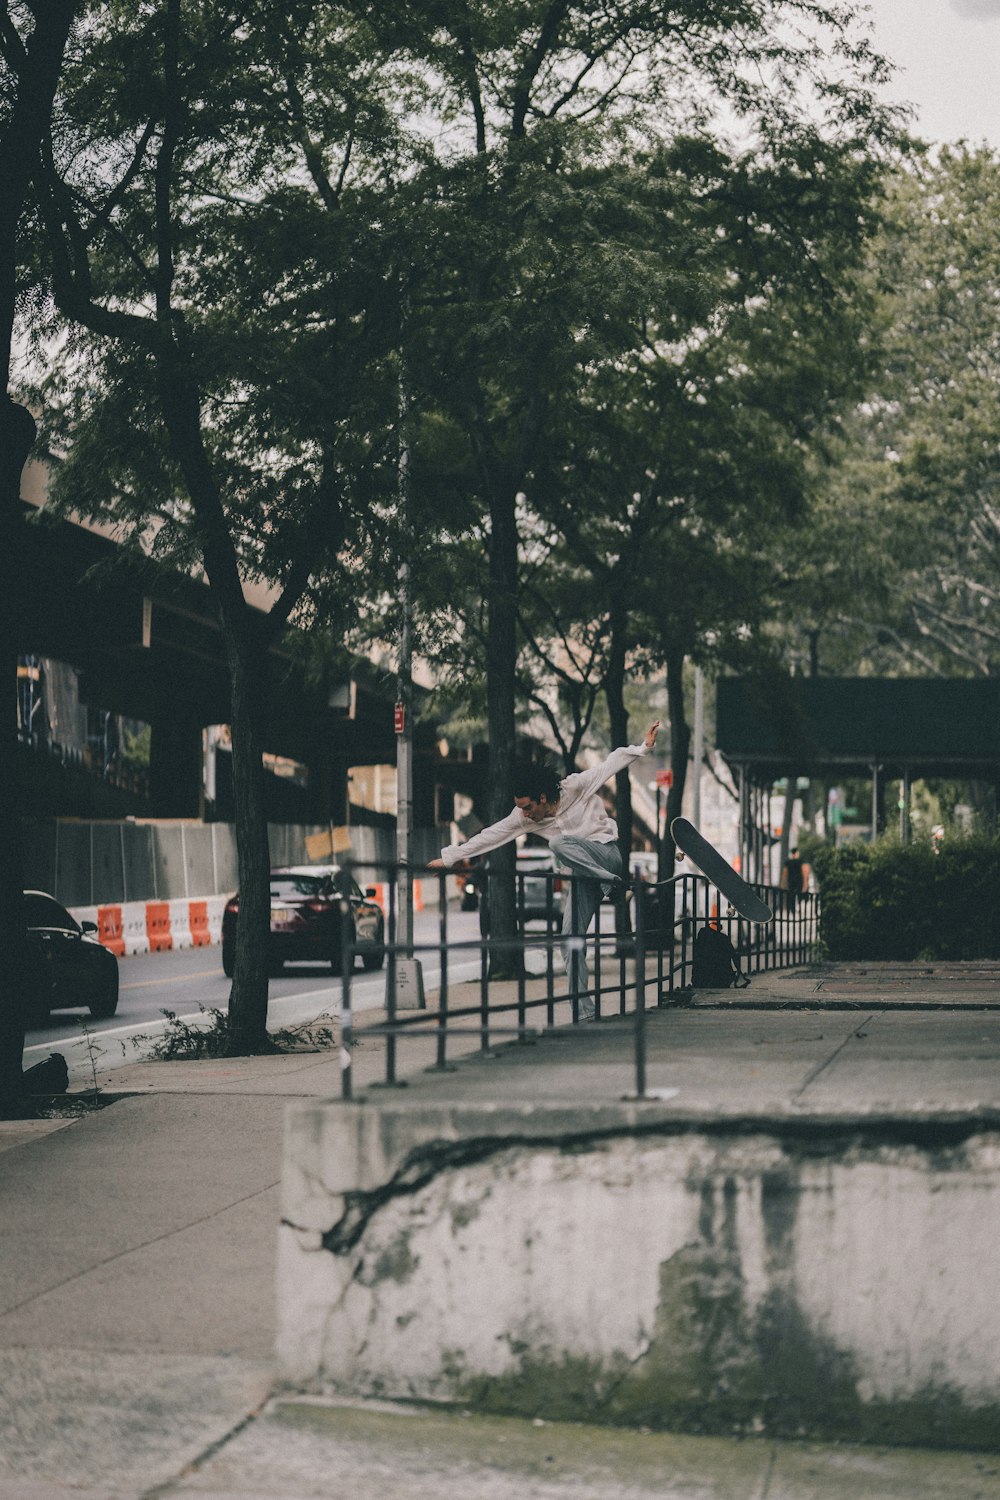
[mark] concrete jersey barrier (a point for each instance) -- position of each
(155, 926)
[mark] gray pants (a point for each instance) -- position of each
(599, 864)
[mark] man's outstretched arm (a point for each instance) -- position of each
(501, 832)
(594, 779)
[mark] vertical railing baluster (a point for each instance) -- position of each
(442, 1027)
(346, 1023)
(484, 973)
(597, 959)
(550, 956)
(640, 999)
(574, 967)
(390, 1040)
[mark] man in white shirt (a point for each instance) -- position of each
(571, 816)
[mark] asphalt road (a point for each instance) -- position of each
(191, 981)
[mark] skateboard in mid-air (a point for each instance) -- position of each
(722, 875)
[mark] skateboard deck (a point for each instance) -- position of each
(722, 875)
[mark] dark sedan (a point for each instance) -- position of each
(67, 967)
(306, 920)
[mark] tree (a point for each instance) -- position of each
(544, 238)
(225, 390)
(33, 40)
(900, 571)
(688, 455)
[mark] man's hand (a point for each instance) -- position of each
(651, 734)
(436, 864)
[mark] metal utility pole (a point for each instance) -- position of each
(404, 766)
(407, 977)
(699, 744)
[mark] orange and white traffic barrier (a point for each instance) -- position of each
(215, 905)
(180, 924)
(109, 929)
(158, 926)
(134, 927)
(200, 935)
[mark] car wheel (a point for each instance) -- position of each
(228, 959)
(275, 967)
(108, 1003)
(374, 960)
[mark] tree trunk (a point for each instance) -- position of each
(17, 433)
(680, 749)
(614, 692)
(248, 997)
(29, 111)
(249, 994)
(501, 660)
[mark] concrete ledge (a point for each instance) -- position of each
(800, 1275)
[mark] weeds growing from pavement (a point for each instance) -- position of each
(183, 1041)
(94, 1051)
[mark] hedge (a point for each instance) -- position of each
(910, 901)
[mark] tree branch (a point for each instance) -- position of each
(549, 30)
(163, 174)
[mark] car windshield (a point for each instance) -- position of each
(306, 887)
(43, 911)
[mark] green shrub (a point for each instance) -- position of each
(911, 901)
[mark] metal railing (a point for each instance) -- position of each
(655, 950)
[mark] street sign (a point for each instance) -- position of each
(399, 718)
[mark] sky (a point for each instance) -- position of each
(948, 58)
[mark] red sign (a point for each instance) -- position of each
(664, 778)
(399, 718)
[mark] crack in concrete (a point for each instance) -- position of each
(819, 1136)
(813, 1074)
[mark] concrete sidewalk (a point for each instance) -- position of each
(136, 1283)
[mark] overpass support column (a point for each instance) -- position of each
(175, 768)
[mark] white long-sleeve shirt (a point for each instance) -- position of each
(579, 814)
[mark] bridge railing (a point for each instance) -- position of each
(635, 961)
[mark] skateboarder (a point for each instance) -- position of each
(568, 813)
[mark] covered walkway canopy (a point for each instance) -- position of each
(872, 727)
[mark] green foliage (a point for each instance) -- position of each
(911, 901)
(899, 567)
(137, 747)
(213, 1036)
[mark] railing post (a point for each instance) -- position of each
(484, 979)
(346, 1024)
(390, 989)
(442, 1028)
(521, 928)
(640, 998)
(597, 957)
(550, 956)
(574, 968)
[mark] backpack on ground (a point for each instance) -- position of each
(716, 963)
